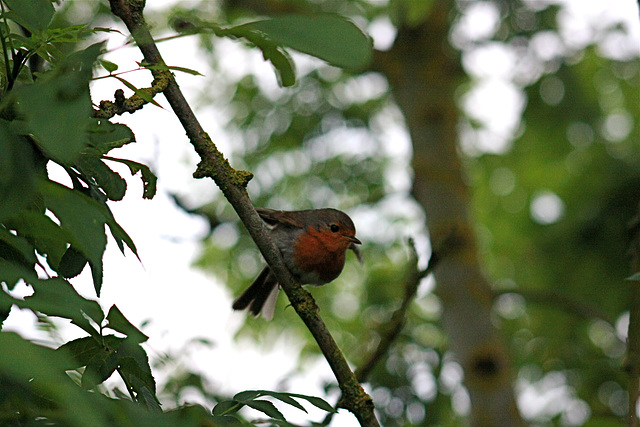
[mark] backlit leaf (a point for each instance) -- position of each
(34, 15)
(330, 37)
(119, 323)
(58, 107)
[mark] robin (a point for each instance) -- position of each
(313, 244)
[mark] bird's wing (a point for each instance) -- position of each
(273, 217)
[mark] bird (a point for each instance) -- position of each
(313, 244)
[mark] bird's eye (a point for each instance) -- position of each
(335, 228)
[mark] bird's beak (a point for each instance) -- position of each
(354, 240)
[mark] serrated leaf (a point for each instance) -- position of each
(121, 236)
(97, 275)
(34, 15)
(119, 323)
(48, 238)
(84, 349)
(135, 369)
(84, 219)
(149, 400)
(104, 136)
(11, 273)
(265, 407)
(20, 165)
(326, 36)
(284, 397)
(56, 297)
(316, 401)
(57, 108)
(149, 179)
(43, 370)
(226, 407)
(99, 368)
(72, 263)
(16, 248)
(246, 395)
(111, 182)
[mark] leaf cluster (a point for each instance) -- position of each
(50, 232)
(251, 398)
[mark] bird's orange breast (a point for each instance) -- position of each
(320, 253)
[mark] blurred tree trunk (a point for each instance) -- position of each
(424, 73)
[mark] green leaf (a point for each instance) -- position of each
(34, 15)
(19, 164)
(72, 263)
(135, 370)
(279, 58)
(149, 400)
(121, 236)
(148, 178)
(104, 136)
(16, 248)
(315, 401)
(284, 65)
(108, 65)
(226, 407)
(99, 368)
(84, 349)
(246, 395)
(96, 275)
(119, 323)
(83, 218)
(266, 407)
(56, 297)
(11, 273)
(47, 236)
(284, 397)
(43, 370)
(330, 37)
(111, 182)
(57, 108)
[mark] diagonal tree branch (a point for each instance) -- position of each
(233, 185)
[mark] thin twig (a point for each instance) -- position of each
(398, 318)
(393, 328)
(233, 183)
